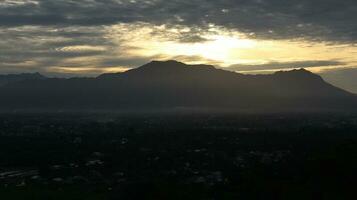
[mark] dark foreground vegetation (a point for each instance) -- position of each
(64, 156)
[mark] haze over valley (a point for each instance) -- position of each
(178, 99)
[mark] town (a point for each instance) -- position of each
(176, 156)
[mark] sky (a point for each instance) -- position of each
(90, 37)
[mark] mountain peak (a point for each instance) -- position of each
(35, 75)
(167, 62)
(299, 77)
(171, 63)
(159, 68)
(169, 66)
(298, 73)
(163, 64)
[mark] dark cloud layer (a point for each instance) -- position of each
(330, 20)
(46, 46)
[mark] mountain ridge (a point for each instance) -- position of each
(172, 84)
(11, 78)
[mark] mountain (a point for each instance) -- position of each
(11, 78)
(171, 84)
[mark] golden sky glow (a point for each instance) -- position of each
(223, 47)
(125, 46)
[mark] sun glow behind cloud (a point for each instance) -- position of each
(223, 47)
(217, 46)
(116, 48)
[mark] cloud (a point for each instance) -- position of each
(330, 20)
(46, 46)
(41, 34)
(285, 65)
(43, 48)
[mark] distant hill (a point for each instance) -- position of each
(172, 85)
(11, 78)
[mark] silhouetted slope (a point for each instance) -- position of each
(11, 78)
(173, 84)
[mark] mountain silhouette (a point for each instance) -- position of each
(172, 85)
(11, 78)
